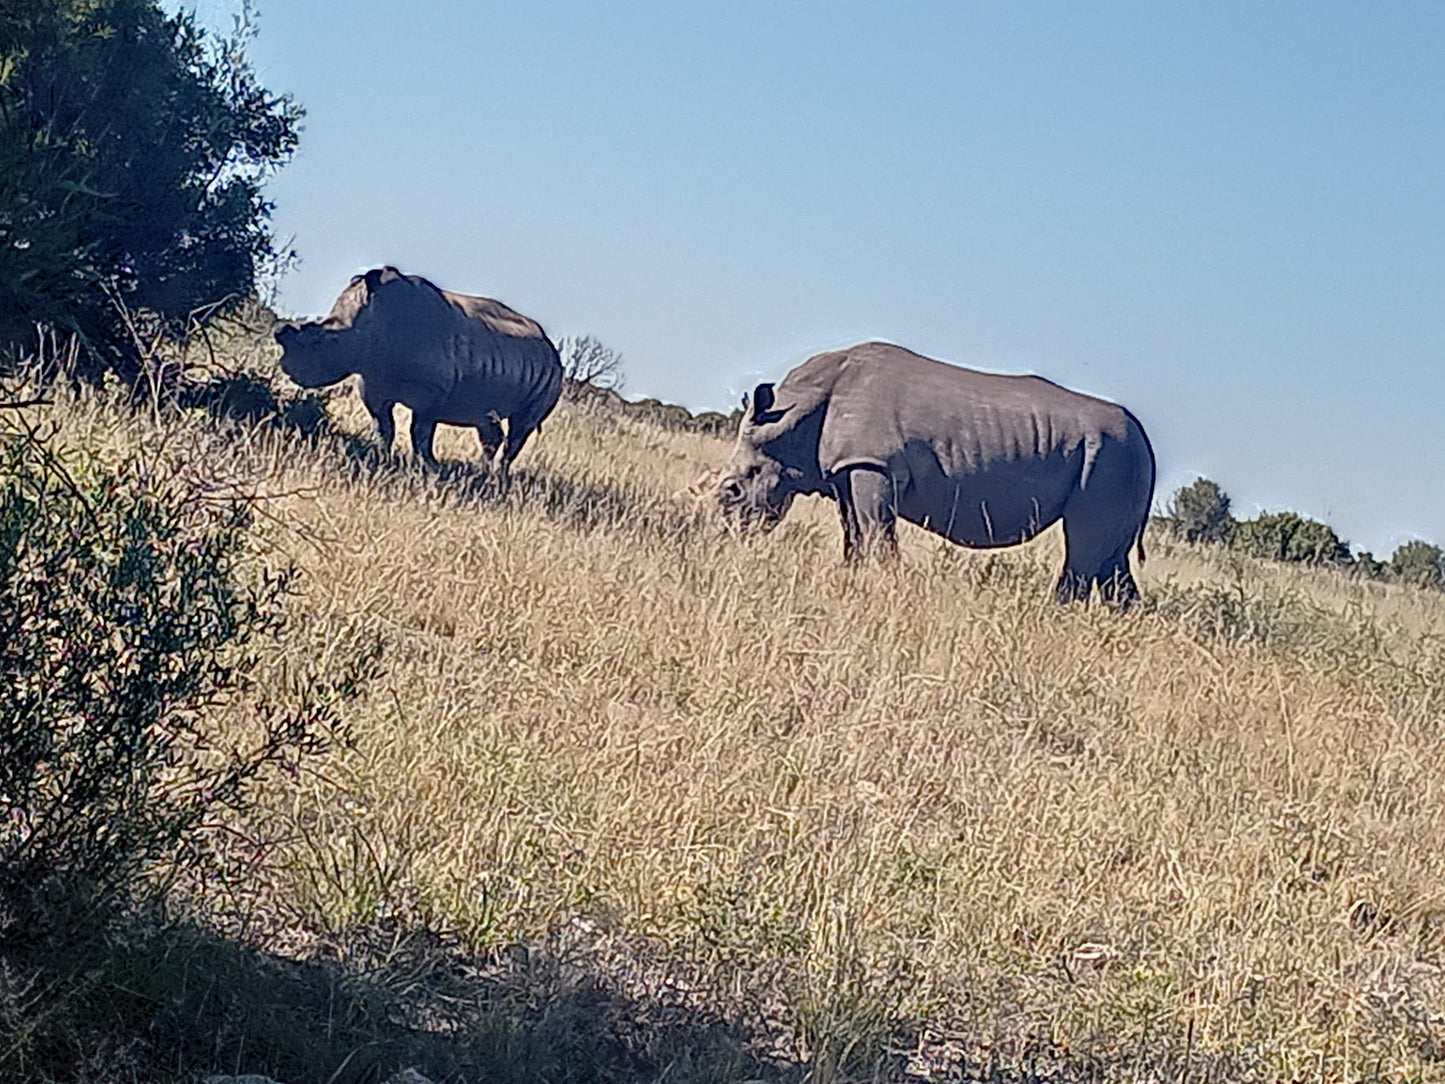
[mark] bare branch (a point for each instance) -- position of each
(588, 363)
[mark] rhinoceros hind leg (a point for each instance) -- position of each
(1073, 587)
(1101, 524)
(489, 432)
(868, 506)
(422, 432)
(1117, 586)
(381, 414)
(518, 430)
(1094, 554)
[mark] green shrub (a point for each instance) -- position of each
(713, 424)
(672, 416)
(1366, 566)
(1418, 563)
(1199, 512)
(1285, 536)
(127, 618)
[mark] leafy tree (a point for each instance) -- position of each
(1199, 512)
(1286, 536)
(133, 147)
(1419, 563)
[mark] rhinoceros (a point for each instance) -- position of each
(982, 459)
(449, 357)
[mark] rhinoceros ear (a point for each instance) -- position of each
(763, 412)
(380, 276)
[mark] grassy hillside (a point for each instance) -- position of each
(873, 821)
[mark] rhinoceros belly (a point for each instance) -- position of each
(493, 378)
(478, 397)
(1000, 502)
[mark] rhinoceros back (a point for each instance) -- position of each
(881, 397)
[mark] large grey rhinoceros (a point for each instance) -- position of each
(982, 459)
(449, 357)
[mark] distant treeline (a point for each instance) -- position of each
(668, 415)
(1200, 512)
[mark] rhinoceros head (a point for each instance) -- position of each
(322, 352)
(775, 459)
(311, 354)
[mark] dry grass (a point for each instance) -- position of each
(914, 808)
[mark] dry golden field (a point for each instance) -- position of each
(886, 820)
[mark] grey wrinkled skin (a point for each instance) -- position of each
(450, 358)
(982, 459)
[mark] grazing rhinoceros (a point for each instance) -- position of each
(982, 459)
(449, 357)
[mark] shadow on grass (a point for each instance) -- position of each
(172, 1003)
(176, 1003)
(249, 400)
(575, 502)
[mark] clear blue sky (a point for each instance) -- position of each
(1229, 217)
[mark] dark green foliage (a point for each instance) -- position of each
(1286, 536)
(1199, 512)
(1418, 563)
(666, 415)
(1367, 566)
(132, 153)
(125, 622)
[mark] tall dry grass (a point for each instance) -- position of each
(915, 809)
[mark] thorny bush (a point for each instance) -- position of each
(129, 615)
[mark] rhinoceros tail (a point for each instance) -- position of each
(1148, 508)
(1148, 465)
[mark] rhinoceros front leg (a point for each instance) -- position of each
(868, 506)
(380, 411)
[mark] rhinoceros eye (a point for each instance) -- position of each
(732, 490)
